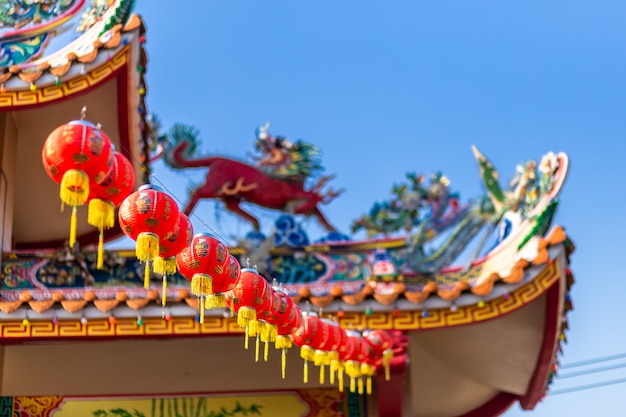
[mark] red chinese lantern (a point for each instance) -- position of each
(224, 283)
(355, 356)
(380, 343)
(311, 334)
(107, 195)
(165, 263)
(329, 353)
(203, 262)
(287, 318)
(251, 296)
(74, 155)
(147, 216)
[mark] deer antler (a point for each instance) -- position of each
(330, 195)
(321, 182)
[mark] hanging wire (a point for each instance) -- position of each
(175, 197)
(593, 361)
(592, 371)
(588, 386)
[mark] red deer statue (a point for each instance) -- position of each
(234, 182)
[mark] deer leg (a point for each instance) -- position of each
(233, 205)
(322, 219)
(193, 201)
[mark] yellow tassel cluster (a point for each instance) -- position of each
(201, 285)
(215, 301)
(308, 354)
(164, 266)
(333, 357)
(74, 189)
(353, 370)
(283, 342)
(101, 214)
(147, 247)
(268, 333)
(387, 357)
(321, 359)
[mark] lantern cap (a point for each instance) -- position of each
(353, 333)
(205, 234)
(84, 123)
(150, 187)
(249, 270)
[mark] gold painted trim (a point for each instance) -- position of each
(67, 88)
(185, 326)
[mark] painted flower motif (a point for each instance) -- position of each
(549, 163)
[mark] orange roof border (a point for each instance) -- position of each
(215, 323)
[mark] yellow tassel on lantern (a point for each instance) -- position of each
(259, 332)
(308, 354)
(101, 214)
(369, 371)
(283, 342)
(246, 318)
(201, 285)
(353, 369)
(321, 359)
(74, 188)
(340, 370)
(387, 357)
(147, 248)
(268, 334)
(215, 301)
(72, 240)
(164, 267)
(333, 357)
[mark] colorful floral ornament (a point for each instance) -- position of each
(147, 216)
(74, 155)
(203, 262)
(107, 195)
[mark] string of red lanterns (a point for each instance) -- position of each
(82, 160)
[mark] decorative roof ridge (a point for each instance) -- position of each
(82, 50)
(381, 294)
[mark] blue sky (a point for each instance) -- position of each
(385, 88)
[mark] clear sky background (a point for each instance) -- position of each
(389, 87)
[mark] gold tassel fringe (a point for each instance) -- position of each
(283, 342)
(164, 266)
(245, 315)
(100, 261)
(201, 285)
(215, 301)
(101, 214)
(147, 247)
(308, 354)
(74, 187)
(283, 362)
(387, 357)
(146, 276)
(72, 241)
